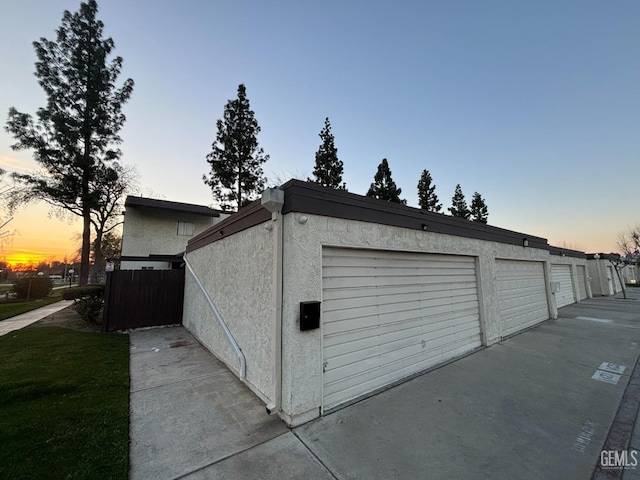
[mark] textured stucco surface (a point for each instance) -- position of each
(237, 273)
(148, 232)
(302, 281)
(602, 275)
(573, 262)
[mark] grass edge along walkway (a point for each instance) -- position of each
(14, 308)
(65, 404)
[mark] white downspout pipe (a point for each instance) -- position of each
(273, 200)
(227, 332)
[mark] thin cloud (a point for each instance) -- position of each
(17, 164)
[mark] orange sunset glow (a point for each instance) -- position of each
(37, 237)
(24, 259)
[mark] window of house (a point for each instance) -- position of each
(185, 228)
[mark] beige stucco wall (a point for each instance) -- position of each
(302, 281)
(602, 275)
(237, 273)
(146, 231)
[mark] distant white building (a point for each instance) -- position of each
(603, 276)
(156, 232)
(630, 274)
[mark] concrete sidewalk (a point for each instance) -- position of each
(539, 405)
(27, 318)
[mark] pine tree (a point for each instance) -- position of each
(479, 211)
(75, 135)
(329, 168)
(459, 205)
(236, 175)
(427, 197)
(383, 187)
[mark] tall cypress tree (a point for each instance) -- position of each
(236, 175)
(479, 211)
(75, 136)
(329, 168)
(427, 197)
(459, 205)
(383, 187)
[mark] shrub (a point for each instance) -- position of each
(78, 293)
(88, 301)
(32, 286)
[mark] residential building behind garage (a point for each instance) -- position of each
(157, 229)
(399, 291)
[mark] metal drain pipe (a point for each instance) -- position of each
(227, 332)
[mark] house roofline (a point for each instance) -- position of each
(566, 252)
(311, 198)
(152, 203)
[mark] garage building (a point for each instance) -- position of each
(322, 296)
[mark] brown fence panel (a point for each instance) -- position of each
(143, 298)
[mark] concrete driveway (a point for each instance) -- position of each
(540, 405)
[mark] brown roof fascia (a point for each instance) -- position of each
(142, 202)
(566, 252)
(249, 216)
(308, 197)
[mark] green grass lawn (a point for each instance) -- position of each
(64, 404)
(11, 308)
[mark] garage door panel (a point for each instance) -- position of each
(374, 291)
(387, 320)
(343, 339)
(353, 387)
(524, 302)
(378, 280)
(379, 313)
(353, 341)
(387, 315)
(387, 303)
(401, 354)
(522, 296)
(394, 268)
(562, 275)
(356, 256)
(395, 296)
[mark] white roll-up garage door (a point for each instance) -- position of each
(387, 315)
(582, 281)
(562, 275)
(522, 296)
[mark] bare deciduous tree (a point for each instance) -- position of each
(629, 242)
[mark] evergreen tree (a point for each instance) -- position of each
(329, 168)
(75, 135)
(427, 197)
(383, 187)
(236, 175)
(479, 211)
(459, 205)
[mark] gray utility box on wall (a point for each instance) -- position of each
(309, 315)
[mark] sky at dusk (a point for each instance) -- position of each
(535, 105)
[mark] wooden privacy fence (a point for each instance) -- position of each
(143, 298)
